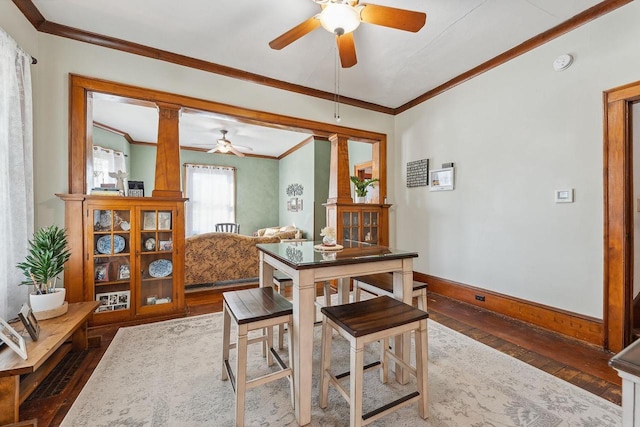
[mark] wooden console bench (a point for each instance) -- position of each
(43, 356)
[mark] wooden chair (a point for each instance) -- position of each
(254, 309)
(382, 284)
(364, 322)
(228, 227)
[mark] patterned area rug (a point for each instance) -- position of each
(168, 374)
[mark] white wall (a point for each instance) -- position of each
(516, 134)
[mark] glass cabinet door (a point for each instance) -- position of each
(156, 257)
(110, 260)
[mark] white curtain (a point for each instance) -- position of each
(16, 171)
(212, 194)
(106, 160)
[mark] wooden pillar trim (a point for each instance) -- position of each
(339, 187)
(167, 178)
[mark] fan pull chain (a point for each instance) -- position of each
(336, 96)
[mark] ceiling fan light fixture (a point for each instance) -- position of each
(339, 18)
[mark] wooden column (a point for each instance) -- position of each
(339, 183)
(167, 182)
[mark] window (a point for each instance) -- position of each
(106, 160)
(212, 197)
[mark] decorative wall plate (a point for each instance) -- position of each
(104, 244)
(160, 268)
(150, 244)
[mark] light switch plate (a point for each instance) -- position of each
(564, 196)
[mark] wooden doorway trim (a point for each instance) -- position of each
(618, 216)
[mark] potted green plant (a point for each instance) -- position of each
(361, 186)
(48, 252)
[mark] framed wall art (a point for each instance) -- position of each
(417, 173)
(441, 179)
(294, 204)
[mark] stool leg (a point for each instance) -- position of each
(357, 292)
(422, 300)
(226, 340)
(268, 344)
(325, 362)
(384, 359)
(355, 393)
(291, 362)
(241, 373)
(281, 327)
(422, 369)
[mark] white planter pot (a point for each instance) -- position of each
(47, 301)
(361, 199)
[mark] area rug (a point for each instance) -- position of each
(168, 374)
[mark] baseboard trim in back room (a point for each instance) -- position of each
(574, 325)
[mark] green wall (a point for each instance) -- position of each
(309, 166)
(322, 168)
(297, 168)
(256, 182)
(114, 141)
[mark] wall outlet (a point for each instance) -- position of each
(479, 297)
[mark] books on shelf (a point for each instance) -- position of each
(102, 191)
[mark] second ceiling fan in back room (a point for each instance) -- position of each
(342, 17)
(223, 145)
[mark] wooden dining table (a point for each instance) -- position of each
(307, 264)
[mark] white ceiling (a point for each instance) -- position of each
(394, 67)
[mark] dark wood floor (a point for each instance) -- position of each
(580, 364)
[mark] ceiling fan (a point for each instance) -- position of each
(223, 145)
(342, 17)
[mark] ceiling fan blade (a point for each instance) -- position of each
(295, 33)
(236, 152)
(213, 150)
(347, 50)
(400, 19)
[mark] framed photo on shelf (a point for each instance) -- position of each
(166, 245)
(110, 301)
(441, 179)
(149, 222)
(102, 272)
(164, 220)
(136, 188)
(29, 321)
(13, 339)
(124, 272)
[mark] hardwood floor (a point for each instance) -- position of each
(580, 364)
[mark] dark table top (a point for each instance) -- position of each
(304, 255)
(628, 360)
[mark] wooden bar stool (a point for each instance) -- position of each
(364, 322)
(382, 284)
(253, 309)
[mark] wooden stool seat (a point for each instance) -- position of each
(382, 284)
(364, 322)
(253, 309)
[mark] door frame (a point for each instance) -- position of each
(618, 216)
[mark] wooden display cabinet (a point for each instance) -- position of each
(132, 257)
(363, 222)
